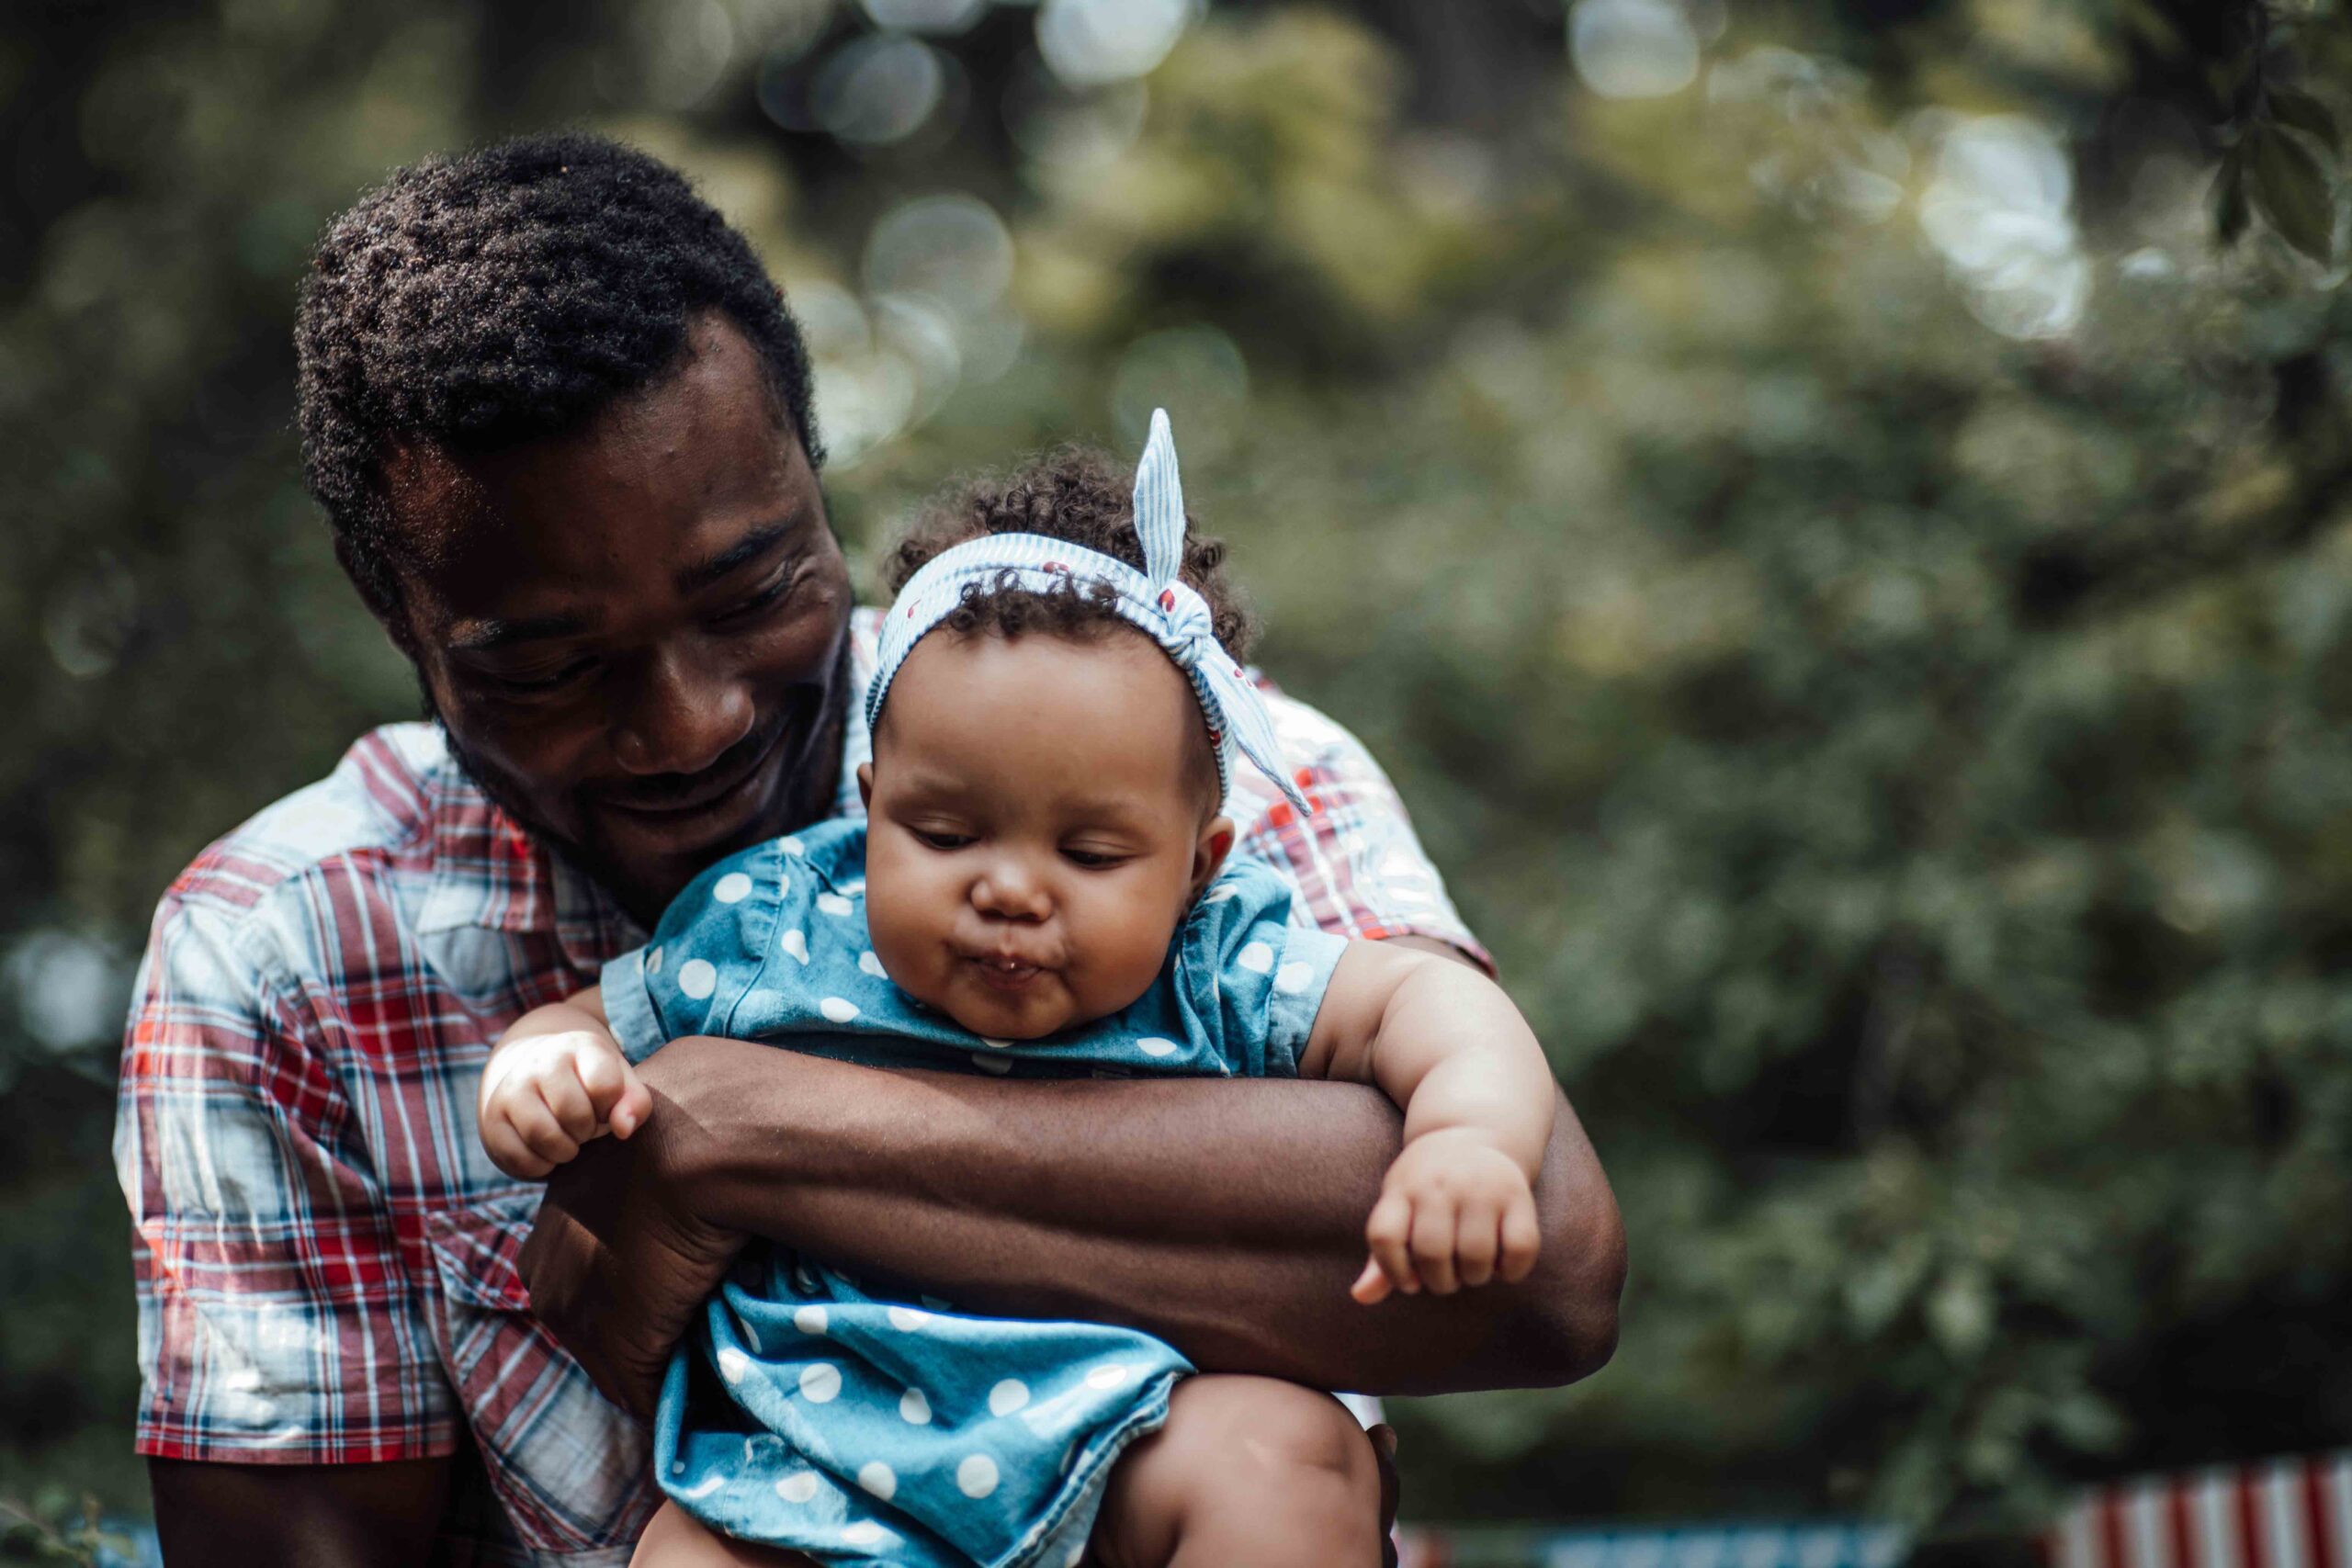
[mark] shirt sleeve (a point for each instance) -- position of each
(706, 953)
(1355, 861)
(275, 1322)
(1254, 974)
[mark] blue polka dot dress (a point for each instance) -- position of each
(808, 1410)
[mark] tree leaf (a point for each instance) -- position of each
(2293, 193)
(2298, 111)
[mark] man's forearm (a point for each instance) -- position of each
(1225, 1217)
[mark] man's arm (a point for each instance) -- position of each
(320, 1515)
(1225, 1217)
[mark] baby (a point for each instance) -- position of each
(1041, 888)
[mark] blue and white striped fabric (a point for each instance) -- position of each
(1157, 601)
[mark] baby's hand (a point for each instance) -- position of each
(545, 1095)
(1454, 1210)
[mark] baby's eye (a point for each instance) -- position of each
(939, 840)
(1092, 859)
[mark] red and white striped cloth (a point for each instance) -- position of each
(2285, 1513)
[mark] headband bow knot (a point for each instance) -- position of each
(1156, 600)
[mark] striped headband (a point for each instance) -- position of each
(1165, 608)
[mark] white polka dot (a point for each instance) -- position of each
(798, 1487)
(1219, 894)
(734, 1364)
(840, 1009)
(809, 1319)
(1113, 1374)
(732, 888)
(872, 965)
(705, 1490)
(1008, 1396)
(677, 1467)
(832, 904)
(993, 1043)
(1077, 1555)
(1153, 1045)
(653, 961)
(865, 1532)
(820, 1382)
(796, 944)
(791, 845)
(853, 888)
(1257, 958)
(1293, 977)
(976, 1477)
(878, 1478)
(914, 1409)
(697, 978)
(995, 1067)
(906, 1319)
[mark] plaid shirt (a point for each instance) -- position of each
(325, 1256)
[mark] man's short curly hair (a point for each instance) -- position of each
(504, 296)
(1074, 493)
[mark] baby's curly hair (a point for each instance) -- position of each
(1076, 493)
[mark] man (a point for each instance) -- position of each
(560, 423)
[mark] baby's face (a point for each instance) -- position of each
(1038, 826)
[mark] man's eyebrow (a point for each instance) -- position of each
(479, 637)
(748, 549)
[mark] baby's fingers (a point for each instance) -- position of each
(542, 1133)
(508, 1151)
(568, 1103)
(620, 1101)
(1477, 1241)
(1372, 1286)
(1433, 1230)
(1387, 1234)
(1522, 1238)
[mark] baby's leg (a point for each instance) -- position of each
(677, 1539)
(1249, 1472)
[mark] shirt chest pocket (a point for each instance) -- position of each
(572, 1473)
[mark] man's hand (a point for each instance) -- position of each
(618, 1262)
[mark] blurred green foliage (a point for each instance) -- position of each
(1834, 515)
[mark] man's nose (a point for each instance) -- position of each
(1009, 889)
(682, 716)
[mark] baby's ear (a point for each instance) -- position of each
(865, 786)
(1208, 855)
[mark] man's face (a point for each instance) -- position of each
(637, 635)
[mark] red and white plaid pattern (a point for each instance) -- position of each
(2285, 1513)
(324, 1257)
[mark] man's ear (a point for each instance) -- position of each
(865, 786)
(1208, 855)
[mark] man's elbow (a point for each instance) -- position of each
(1569, 1327)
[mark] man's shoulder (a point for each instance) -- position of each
(380, 811)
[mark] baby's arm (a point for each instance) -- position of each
(555, 1080)
(1457, 1206)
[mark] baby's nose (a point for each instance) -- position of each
(1009, 890)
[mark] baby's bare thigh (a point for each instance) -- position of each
(1284, 1467)
(676, 1540)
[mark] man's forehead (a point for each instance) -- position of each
(703, 450)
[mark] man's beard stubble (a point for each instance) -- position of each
(807, 796)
